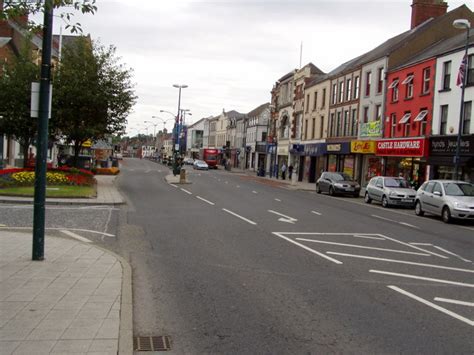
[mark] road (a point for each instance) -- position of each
(233, 264)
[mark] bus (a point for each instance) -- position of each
(209, 156)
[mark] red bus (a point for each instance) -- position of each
(209, 156)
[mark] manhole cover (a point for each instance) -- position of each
(152, 343)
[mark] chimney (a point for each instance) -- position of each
(422, 10)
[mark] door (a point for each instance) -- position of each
(312, 169)
(437, 198)
(301, 169)
(377, 189)
(426, 197)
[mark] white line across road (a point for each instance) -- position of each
(207, 201)
(448, 300)
(239, 216)
(432, 305)
(188, 192)
(76, 236)
(453, 254)
(401, 262)
(408, 276)
(361, 246)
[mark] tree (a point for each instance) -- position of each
(15, 94)
(93, 93)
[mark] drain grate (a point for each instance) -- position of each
(152, 343)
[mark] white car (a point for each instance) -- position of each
(200, 165)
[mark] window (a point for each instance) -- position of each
(437, 188)
(406, 131)
(393, 125)
(426, 80)
(445, 84)
(348, 89)
(409, 86)
(334, 93)
(346, 124)
(307, 103)
(424, 127)
(368, 79)
(324, 98)
(378, 112)
(321, 132)
(365, 118)
(405, 118)
(354, 122)
(421, 116)
(341, 91)
(470, 70)
(306, 129)
(443, 119)
(379, 80)
(394, 87)
(315, 100)
(314, 128)
(466, 121)
(338, 125)
(331, 126)
(356, 87)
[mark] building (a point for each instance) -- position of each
(256, 137)
(194, 138)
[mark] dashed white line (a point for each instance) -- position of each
(277, 199)
(188, 192)
(408, 276)
(367, 237)
(238, 186)
(226, 182)
(317, 213)
(308, 248)
(239, 216)
(76, 236)
(401, 262)
(254, 192)
(282, 215)
(409, 225)
(174, 186)
(361, 246)
(453, 254)
(448, 300)
(384, 218)
(203, 199)
(432, 305)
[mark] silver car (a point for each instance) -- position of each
(446, 198)
(391, 191)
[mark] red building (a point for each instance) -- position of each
(408, 117)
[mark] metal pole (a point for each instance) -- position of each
(461, 113)
(42, 140)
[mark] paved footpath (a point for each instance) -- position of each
(78, 300)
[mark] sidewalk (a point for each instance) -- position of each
(107, 194)
(77, 300)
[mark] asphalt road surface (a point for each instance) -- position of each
(231, 264)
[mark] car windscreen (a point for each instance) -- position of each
(458, 189)
(340, 177)
(393, 182)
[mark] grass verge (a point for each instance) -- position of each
(61, 191)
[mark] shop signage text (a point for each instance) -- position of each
(333, 147)
(363, 147)
(401, 147)
(447, 145)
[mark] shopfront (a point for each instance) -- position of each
(314, 161)
(441, 157)
(404, 157)
(368, 164)
(340, 158)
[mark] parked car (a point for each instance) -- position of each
(200, 165)
(390, 191)
(337, 183)
(83, 161)
(449, 199)
(188, 161)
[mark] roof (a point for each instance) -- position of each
(316, 80)
(234, 114)
(257, 111)
(35, 38)
(287, 76)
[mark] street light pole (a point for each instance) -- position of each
(177, 128)
(461, 24)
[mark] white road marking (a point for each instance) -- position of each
(203, 199)
(61, 228)
(409, 225)
(448, 300)
(401, 262)
(414, 247)
(238, 216)
(367, 237)
(321, 233)
(254, 192)
(468, 228)
(421, 244)
(282, 215)
(226, 182)
(362, 247)
(307, 248)
(318, 213)
(188, 192)
(432, 305)
(277, 199)
(76, 236)
(408, 276)
(174, 185)
(238, 186)
(453, 254)
(384, 218)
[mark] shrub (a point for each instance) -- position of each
(107, 171)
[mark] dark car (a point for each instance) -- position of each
(337, 183)
(83, 161)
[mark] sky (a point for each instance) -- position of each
(230, 52)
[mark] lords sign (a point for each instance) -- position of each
(401, 147)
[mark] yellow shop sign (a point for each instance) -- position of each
(363, 147)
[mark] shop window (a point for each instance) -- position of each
(466, 122)
(446, 76)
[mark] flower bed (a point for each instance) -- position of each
(60, 176)
(107, 171)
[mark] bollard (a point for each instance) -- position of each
(182, 176)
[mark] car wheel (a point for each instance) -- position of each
(367, 198)
(318, 189)
(331, 191)
(384, 201)
(418, 210)
(446, 215)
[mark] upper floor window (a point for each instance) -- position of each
(466, 121)
(315, 103)
(379, 80)
(365, 118)
(354, 122)
(348, 89)
(443, 119)
(368, 80)
(409, 86)
(307, 103)
(393, 124)
(341, 91)
(445, 83)
(334, 93)
(470, 70)
(378, 112)
(394, 87)
(356, 87)
(323, 103)
(426, 80)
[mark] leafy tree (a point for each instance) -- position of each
(93, 93)
(15, 94)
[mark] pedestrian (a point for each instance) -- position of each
(283, 171)
(290, 171)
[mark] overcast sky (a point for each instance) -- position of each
(230, 52)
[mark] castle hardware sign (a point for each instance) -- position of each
(447, 145)
(401, 147)
(363, 147)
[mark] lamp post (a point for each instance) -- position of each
(464, 25)
(177, 128)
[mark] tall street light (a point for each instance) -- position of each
(176, 142)
(462, 24)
